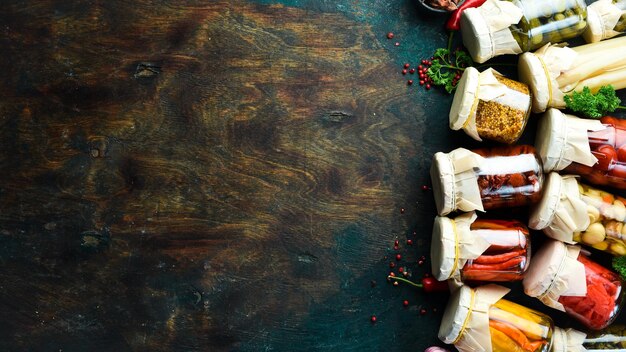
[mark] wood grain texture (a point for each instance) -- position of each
(200, 176)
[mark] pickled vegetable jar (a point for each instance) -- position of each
(605, 19)
(491, 106)
(515, 26)
(595, 150)
(470, 249)
(567, 340)
(486, 178)
(478, 319)
(613, 338)
(564, 279)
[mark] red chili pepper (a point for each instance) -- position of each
(498, 258)
(454, 21)
(497, 266)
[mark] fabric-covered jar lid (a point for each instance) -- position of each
(485, 29)
(452, 245)
(602, 17)
(562, 139)
(554, 272)
(464, 99)
(567, 340)
(465, 321)
(561, 211)
(455, 183)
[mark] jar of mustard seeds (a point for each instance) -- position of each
(490, 106)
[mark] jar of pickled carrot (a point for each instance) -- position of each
(478, 319)
(469, 249)
(592, 149)
(485, 179)
(564, 279)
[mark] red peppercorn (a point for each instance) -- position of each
(420, 262)
(428, 86)
(392, 273)
(392, 265)
(425, 188)
(410, 82)
(409, 242)
(395, 283)
(402, 209)
(420, 67)
(405, 303)
(398, 257)
(421, 82)
(373, 319)
(396, 248)
(396, 242)
(397, 44)
(389, 35)
(401, 269)
(423, 257)
(407, 65)
(412, 71)
(404, 72)
(422, 311)
(405, 273)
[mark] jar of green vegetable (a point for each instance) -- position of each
(606, 19)
(514, 26)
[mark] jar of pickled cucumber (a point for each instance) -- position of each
(478, 319)
(592, 149)
(501, 27)
(485, 179)
(469, 249)
(565, 279)
(491, 106)
(606, 19)
(613, 338)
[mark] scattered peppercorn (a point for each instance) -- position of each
(420, 262)
(422, 311)
(397, 44)
(404, 72)
(425, 188)
(389, 35)
(373, 319)
(421, 82)
(409, 242)
(412, 71)
(428, 86)
(392, 264)
(407, 65)
(398, 257)
(395, 283)
(405, 303)
(400, 269)
(396, 242)
(410, 82)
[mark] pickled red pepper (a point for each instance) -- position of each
(598, 308)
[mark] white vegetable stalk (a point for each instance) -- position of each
(596, 65)
(607, 339)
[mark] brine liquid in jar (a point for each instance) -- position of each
(607, 221)
(604, 298)
(608, 145)
(507, 257)
(510, 176)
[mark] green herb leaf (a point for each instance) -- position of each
(593, 105)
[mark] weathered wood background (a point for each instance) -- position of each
(213, 175)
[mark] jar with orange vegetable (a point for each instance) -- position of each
(468, 249)
(592, 149)
(565, 279)
(479, 319)
(484, 179)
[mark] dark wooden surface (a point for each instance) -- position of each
(214, 175)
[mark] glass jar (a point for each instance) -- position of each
(486, 179)
(491, 106)
(469, 249)
(564, 279)
(478, 319)
(604, 298)
(613, 338)
(606, 19)
(595, 150)
(515, 26)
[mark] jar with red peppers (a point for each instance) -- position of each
(595, 150)
(485, 179)
(469, 249)
(565, 279)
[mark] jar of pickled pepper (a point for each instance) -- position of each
(491, 106)
(592, 149)
(564, 279)
(478, 319)
(605, 19)
(479, 250)
(501, 27)
(485, 179)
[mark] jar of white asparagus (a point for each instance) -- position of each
(555, 71)
(514, 26)
(606, 19)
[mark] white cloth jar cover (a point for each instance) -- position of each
(486, 32)
(455, 182)
(555, 272)
(602, 17)
(561, 212)
(562, 139)
(475, 86)
(567, 340)
(539, 70)
(465, 322)
(453, 244)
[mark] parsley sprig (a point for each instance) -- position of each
(591, 105)
(446, 64)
